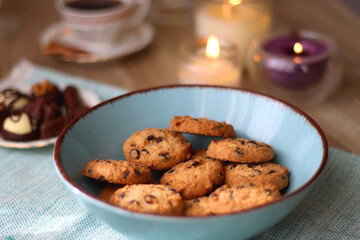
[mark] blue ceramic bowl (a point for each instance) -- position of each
(298, 142)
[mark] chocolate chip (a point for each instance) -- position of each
(240, 187)
(252, 142)
(240, 151)
(89, 171)
(150, 138)
(195, 163)
(171, 171)
(159, 139)
(97, 160)
(101, 178)
(242, 142)
(121, 195)
(108, 161)
(165, 156)
(138, 173)
(134, 201)
(196, 200)
(232, 195)
(249, 165)
(268, 192)
(132, 145)
(126, 174)
(220, 125)
(232, 166)
(258, 172)
(145, 151)
(172, 190)
(149, 198)
(252, 185)
(194, 119)
(272, 171)
(283, 177)
(134, 153)
(170, 203)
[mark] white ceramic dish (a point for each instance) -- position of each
(89, 98)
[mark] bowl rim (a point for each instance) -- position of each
(78, 189)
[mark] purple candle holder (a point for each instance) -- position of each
(308, 74)
(295, 70)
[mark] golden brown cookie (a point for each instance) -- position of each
(202, 126)
(240, 150)
(238, 198)
(159, 149)
(197, 207)
(108, 190)
(244, 173)
(149, 198)
(194, 178)
(117, 171)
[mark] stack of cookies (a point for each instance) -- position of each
(231, 175)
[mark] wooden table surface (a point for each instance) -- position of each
(338, 116)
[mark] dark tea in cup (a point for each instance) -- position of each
(93, 4)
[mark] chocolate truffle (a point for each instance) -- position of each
(13, 100)
(19, 127)
(42, 110)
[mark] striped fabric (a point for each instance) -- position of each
(34, 204)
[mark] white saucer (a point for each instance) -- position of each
(130, 42)
(90, 99)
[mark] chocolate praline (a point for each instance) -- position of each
(19, 127)
(13, 100)
(47, 91)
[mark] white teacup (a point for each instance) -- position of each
(101, 23)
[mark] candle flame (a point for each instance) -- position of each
(212, 48)
(298, 48)
(235, 2)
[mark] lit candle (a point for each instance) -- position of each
(208, 63)
(295, 61)
(236, 21)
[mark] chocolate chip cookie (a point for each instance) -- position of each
(243, 173)
(240, 150)
(194, 178)
(159, 149)
(149, 198)
(117, 171)
(201, 126)
(228, 199)
(197, 207)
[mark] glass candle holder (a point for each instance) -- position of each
(304, 66)
(236, 21)
(195, 66)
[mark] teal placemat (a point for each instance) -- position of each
(34, 204)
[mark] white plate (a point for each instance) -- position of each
(128, 43)
(89, 98)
